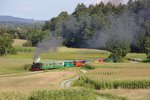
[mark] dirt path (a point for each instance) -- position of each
(67, 83)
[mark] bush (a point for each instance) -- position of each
(146, 60)
(119, 48)
(116, 57)
(12, 51)
(88, 67)
(24, 49)
(28, 44)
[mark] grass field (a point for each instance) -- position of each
(136, 55)
(126, 94)
(119, 81)
(17, 63)
(35, 81)
(64, 94)
(62, 53)
(19, 42)
(18, 85)
(121, 75)
(13, 65)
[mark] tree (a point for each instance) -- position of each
(80, 7)
(6, 41)
(36, 36)
(118, 49)
(147, 47)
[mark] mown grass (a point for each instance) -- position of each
(141, 56)
(17, 63)
(64, 94)
(19, 42)
(62, 53)
(26, 82)
(13, 65)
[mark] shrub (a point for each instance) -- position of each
(88, 67)
(28, 44)
(12, 51)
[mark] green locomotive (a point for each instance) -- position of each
(51, 65)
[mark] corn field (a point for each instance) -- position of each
(114, 78)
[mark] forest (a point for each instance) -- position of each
(117, 28)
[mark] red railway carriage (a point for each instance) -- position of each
(79, 63)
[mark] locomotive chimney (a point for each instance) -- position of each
(36, 60)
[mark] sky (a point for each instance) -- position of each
(40, 9)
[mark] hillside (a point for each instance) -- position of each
(10, 21)
(15, 19)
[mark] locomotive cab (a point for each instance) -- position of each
(36, 66)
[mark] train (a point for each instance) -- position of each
(62, 64)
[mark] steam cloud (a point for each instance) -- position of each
(122, 27)
(49, 44)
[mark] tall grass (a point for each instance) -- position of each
(20, 49)
(126, 84)
(12, 96)
(66, 94)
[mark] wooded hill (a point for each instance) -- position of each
(95, 25)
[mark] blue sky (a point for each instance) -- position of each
(39, 9)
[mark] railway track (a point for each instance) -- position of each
(25, 73)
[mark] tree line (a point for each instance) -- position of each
(116, 28)
(119, 29)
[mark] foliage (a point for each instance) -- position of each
(36, 36)
(88, 67)
(12, 96)
(24, 49)
(67, 94)
(147, 47)
(126, 84)
(118, 48)
(12, 51)
(27, 44)
(6, 41)
(64, 94)
(85, 22)
(147, 38)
